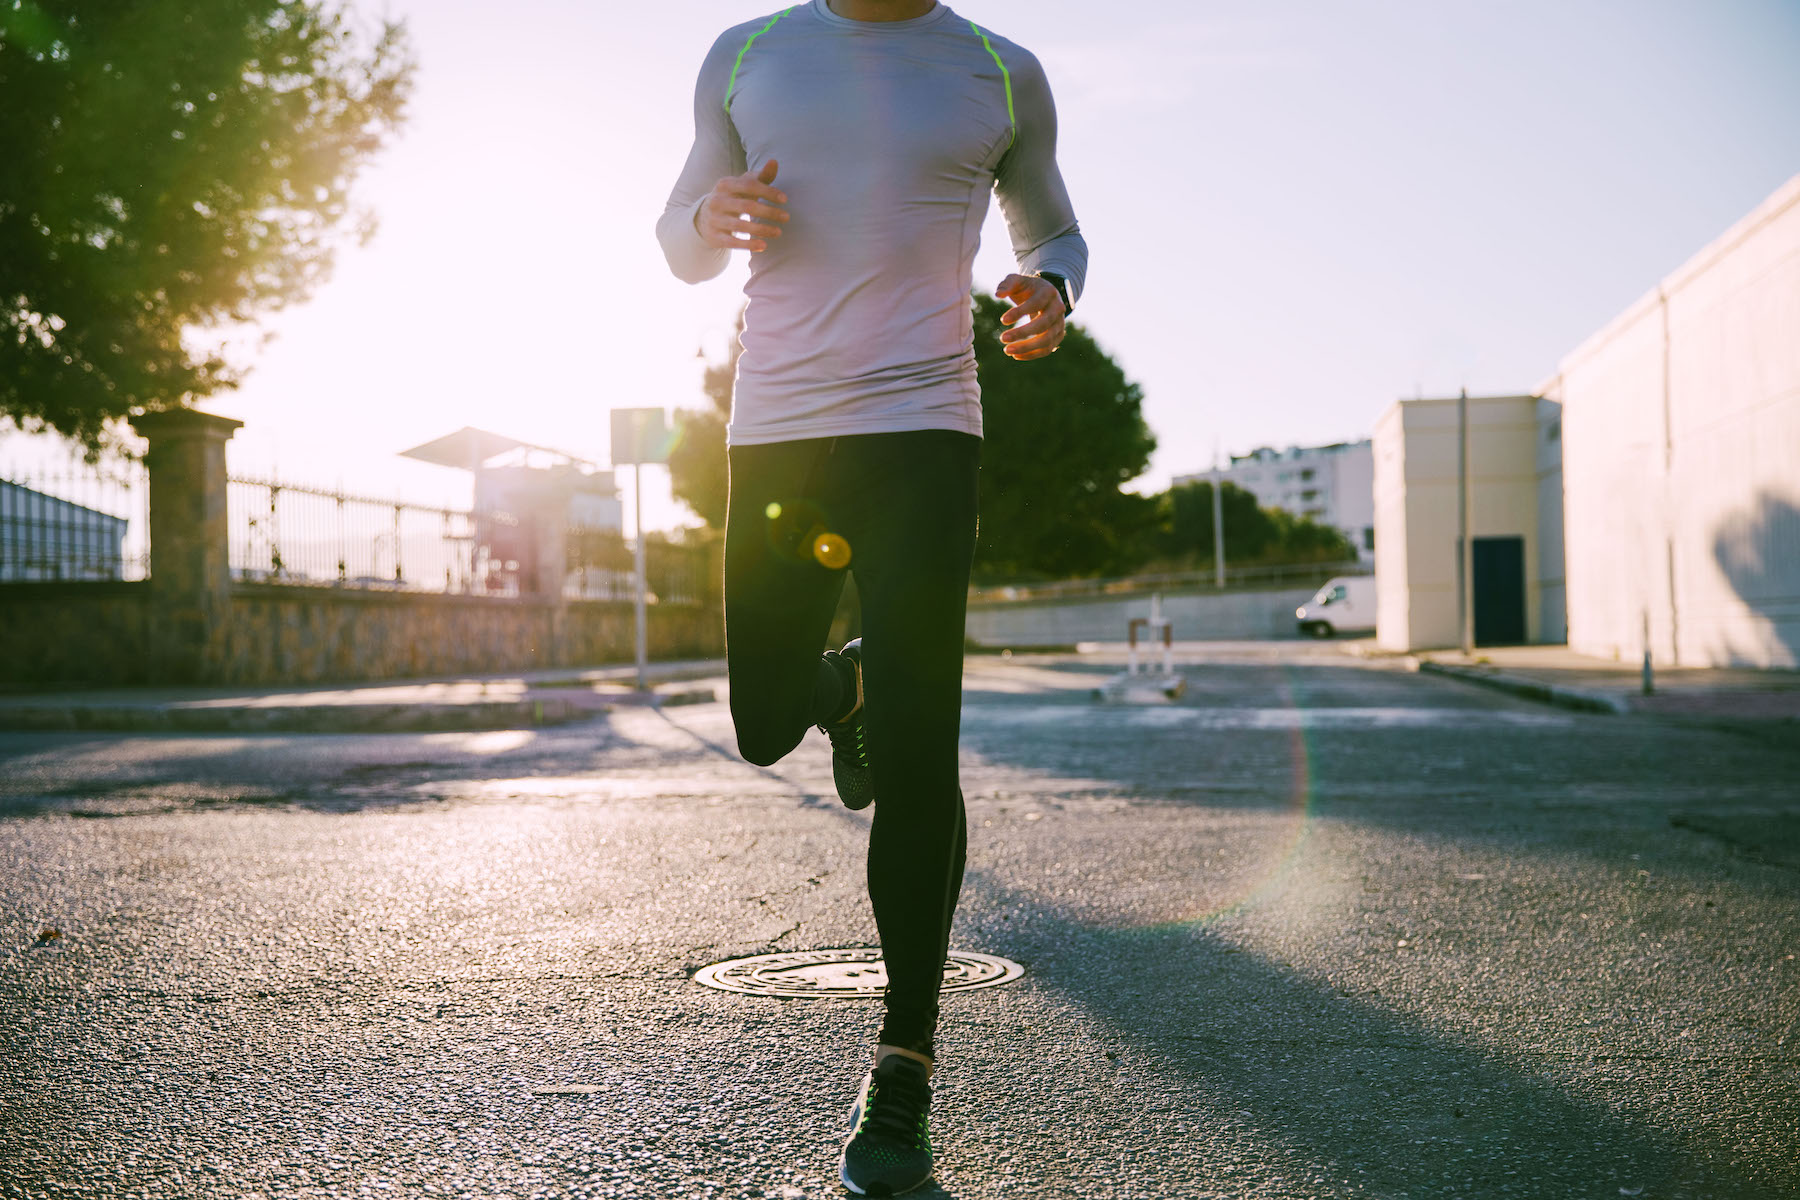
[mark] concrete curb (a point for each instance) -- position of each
(530, 712)
(1576, 699)
(319, 718)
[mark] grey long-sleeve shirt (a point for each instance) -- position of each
(890, 136)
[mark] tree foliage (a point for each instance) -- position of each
(1253, 535)
(697, 462)
(168, 169)
(1062, 434)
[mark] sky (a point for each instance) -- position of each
(1297, 214)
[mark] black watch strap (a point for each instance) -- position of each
(1062, 288)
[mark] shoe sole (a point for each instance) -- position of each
(857, 663)
(856, 670)
(844, 1178)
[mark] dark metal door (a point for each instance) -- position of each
(1499, 591)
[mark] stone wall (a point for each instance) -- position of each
(100, 634)
(295, 635)
(92, 633)
(192, 623)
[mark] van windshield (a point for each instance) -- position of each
(1329, 594)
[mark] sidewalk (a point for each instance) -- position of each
(513, 701)
(1736, 697)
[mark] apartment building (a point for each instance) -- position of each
(1333, 485)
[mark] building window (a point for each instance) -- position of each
(1368, 537)
(1306, 474)
(1309, 494)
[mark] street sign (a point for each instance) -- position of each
(640, 435)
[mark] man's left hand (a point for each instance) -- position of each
(1037, 317)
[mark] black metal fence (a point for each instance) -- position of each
(291, 533)
(75, 522)
(601, 568)
(675, 574)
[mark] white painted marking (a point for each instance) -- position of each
(1008, 715)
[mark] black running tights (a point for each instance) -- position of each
(903, 506)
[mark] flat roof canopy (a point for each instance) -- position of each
(468, 448)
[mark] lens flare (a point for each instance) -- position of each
(831, 550)
(800, 531)
(1283, 851)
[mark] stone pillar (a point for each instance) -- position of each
(190, 566)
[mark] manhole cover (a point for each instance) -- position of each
(832, 973)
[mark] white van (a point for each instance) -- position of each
(1345, 604)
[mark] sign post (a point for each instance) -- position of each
(639, 436)
(1465, 548)
(1218, 516)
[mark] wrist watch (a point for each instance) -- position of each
(1062, 288)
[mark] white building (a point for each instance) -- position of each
(1333, 485)
(1681, 433)
(1515, 522)
(1659, 471)
(45, 537)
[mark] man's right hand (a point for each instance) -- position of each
(744, 204)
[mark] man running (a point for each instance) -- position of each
(849, 146)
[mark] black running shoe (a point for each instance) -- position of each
(849, 738)
(889, 1150)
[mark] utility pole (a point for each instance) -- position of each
(1218, 521)
(639, 436)
(637, 563)
(1465, 562)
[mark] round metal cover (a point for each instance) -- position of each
(831, 974)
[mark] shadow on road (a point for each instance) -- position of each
(1346, 1084)
(1371, 1100)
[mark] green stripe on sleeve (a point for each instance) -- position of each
(731, 84)
(1005, 77)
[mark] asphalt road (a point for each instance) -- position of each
(1319, 929)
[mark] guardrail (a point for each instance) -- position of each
(1236, 579)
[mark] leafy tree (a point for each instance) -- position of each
(169, 168)
(1188, 534)
(1303, 540)
(1062, 434)
(697, 463)
(1253, 535)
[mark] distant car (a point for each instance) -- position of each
(1345, 604)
